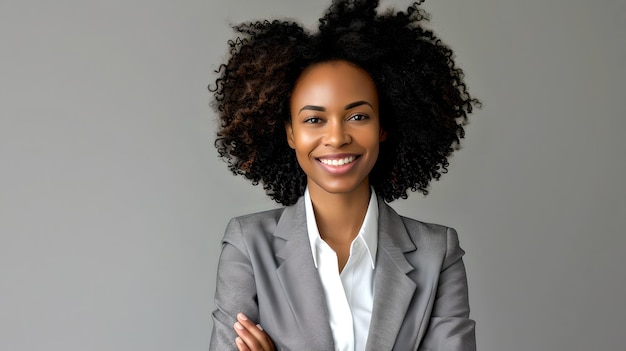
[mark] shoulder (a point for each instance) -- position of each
(259, 218)
(421, 228)
(267, 222)
(266, 231)
(416, 229)
(254, 224)
(429, 236)
(436, 239)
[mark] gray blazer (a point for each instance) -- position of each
(266, 271)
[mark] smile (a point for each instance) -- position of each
(338, 162)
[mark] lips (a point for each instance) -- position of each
(338, 164)
(337, 161)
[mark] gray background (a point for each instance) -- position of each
(113, 202)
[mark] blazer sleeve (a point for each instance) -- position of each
(450, 328)
(235, 289)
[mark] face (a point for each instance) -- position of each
(335, 128)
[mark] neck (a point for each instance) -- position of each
(340, 216)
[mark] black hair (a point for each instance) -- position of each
(424, 101)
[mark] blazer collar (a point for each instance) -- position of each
(299, 278)
(394, 290)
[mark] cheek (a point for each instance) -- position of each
(372, 138)
(372, 144)
(305, 142)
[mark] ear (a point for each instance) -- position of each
(382, 135)
(289, 131)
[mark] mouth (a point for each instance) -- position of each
(337, 162)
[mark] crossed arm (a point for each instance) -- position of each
(235, 298)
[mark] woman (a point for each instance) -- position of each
(333, 124)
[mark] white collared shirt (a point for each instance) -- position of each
(349, 295)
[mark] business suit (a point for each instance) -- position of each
(266, 271)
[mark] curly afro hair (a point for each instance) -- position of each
(424, 102)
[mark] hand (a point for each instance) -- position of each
(251, 336)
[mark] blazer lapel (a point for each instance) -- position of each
(299, 278)
(394, 290)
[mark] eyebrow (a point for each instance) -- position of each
(357, 103)
(347, 107)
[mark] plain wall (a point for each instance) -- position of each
(113, 201)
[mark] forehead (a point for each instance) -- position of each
(335, 81)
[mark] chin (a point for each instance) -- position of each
(339, 188)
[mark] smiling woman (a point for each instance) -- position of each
(333, 124)
(335, 128)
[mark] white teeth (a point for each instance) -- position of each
(338, 162)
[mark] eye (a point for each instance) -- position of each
(358, 117)
(312, 120)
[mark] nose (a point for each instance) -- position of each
(336, 134)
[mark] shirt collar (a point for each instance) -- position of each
(368, 232)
